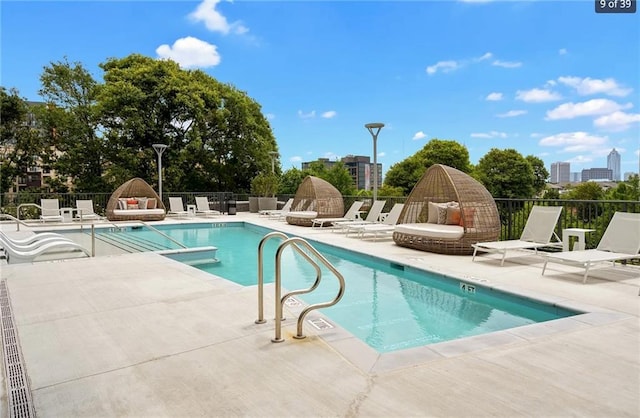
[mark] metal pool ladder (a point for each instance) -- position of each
(295, 244)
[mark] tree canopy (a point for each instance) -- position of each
(406, 173)
(506, 173)
(101, 134)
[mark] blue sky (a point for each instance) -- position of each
(548, 78)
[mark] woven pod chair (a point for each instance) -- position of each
(479, 218)
(315, 198)
(135, 187)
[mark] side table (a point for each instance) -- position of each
(578, 233)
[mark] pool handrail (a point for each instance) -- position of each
(264, 239)
(13, 218)
(294, 241)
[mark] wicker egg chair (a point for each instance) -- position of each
(478, 215)
(315, 198)
(135, 187)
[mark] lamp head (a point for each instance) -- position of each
(159, 148)
(374, 128)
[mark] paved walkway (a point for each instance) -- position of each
(140, 335)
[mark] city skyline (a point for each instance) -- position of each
(480, 73)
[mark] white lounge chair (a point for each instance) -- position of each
(538, 232)
(351, 215)
(27, 253)
(373, 216)
(50, 210)
(620, 241)
(202, 207)
(278, 213)
(84, 210)
(385, 227)
(176, 207)
(32, 238)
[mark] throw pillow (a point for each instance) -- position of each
(442, 215)
(453, 215)
(468, 220)
(142, 202)
(151, 203)
(432, 217)
(434, 212)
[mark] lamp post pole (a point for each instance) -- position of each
(159, 148)
(374, 130)
(274, 155)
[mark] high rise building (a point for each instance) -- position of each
(360, 168)
(560, 172)
(597, 174)
(613, 164)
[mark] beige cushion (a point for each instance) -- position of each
(307, 214)
(431, 230)
(137, 211)
(433, 212)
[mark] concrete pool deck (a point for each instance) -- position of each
(142, 335)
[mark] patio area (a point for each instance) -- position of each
(141, 335)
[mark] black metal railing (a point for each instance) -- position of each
(591, 214)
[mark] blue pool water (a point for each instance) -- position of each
(388, 306)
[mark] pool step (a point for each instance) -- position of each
(130, 243)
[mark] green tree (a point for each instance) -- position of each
(70, 92)
(338, 175)
(627, 190)
(405, 174)
(589, 190)
(447, 152)
(540, 173)
(551, 194)
(506, 173)
(21, 139)
(586, 211)
(217, 137)
(290, 181)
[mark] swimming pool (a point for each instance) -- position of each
(388, 306)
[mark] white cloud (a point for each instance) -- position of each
(492, 134)
(535, 135)
(494, 97)
(537, 95)
(506, 64)
(574, 141)
(190, 52)
(445, 66)
(309, 115)
(214, 20)
(617, 121)
(329, 114)
(382, 154)
(592, 107)
(579, 159)
(295, 159)
(586, 86)
(512, 113)
(562, 51)
(419, 135)
(270, 116)
(486, 56)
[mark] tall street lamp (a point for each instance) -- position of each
(159, 148)
(374, 130)
(274, 155)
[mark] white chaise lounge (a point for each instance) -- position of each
(538, 232)
(620, 241)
